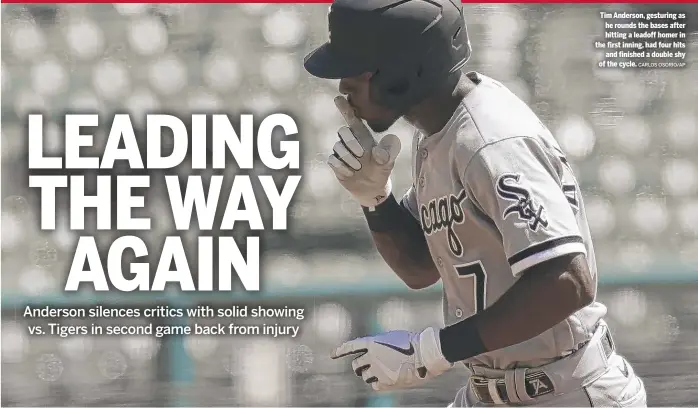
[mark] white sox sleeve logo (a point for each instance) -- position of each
(524, 206)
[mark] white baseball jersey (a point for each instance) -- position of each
(495, 196)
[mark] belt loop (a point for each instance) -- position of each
(520, 381)
(494, 392)
(510, 383)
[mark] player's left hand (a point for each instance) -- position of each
(396, 359)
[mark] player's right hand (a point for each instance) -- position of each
(361, 165)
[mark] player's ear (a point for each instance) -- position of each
(366, 76)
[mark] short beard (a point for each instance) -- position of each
(379, 127)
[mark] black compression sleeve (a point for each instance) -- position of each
(390, 215)
(461, 341)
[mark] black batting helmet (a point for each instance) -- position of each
(411, 46)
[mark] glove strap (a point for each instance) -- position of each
(430, 352)
(378, 198)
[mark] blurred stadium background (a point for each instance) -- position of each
(632, 135)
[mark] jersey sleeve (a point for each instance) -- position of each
(514, 183)
(409, 202)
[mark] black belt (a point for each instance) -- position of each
(537, 382)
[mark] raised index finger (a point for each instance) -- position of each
(346, 110)
(357, 126)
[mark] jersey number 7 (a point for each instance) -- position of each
(476, 272)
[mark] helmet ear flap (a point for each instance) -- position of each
(395, 89)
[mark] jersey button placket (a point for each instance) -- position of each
(423, 153)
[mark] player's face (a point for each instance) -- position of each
(357, 90)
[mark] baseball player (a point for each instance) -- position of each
(494, 212)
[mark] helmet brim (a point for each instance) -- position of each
(324, 63)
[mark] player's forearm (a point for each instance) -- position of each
(401, 242)
(542, 298)
(546, 295)
(407, 258)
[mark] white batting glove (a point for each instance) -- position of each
(361, 165)
(396, 359)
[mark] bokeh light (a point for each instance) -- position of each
(131, 9)
(112, 364)
(617, 176)
(283, 28)
(687, 215)
(203, 100)
(49, 77)
(111, 79)
(49, 367)
(279, 70)
(147, 36)
(27, 40)
(395, 314)
(649, 215)
(15, 206)
(77, 348)
(44, 254)
(331, 323)
(201, 347)
(680, 177)
(600, 216)
(84, 101)
(168, 75)
(299, 358)
(14, 343)
(682, 129)
(140, 348)
(576, 137)
(140, 103)
(85, 39)
(221, 71)
(36, 281)
(13, 232)
(632, 135)
(28, 102)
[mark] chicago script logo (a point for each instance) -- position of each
(509, 188)
(443, 213)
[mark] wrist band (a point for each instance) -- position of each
(384, 216)
(461, 341)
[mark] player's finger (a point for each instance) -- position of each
(348, 348)
(369, 375)
(359, 371)
(360, 364)
(364, 136)
(347, 136)
(343, 153)
(379, 386)
(387, 150)
(347, 111)
(341, 170)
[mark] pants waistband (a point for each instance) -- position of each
(569, 373)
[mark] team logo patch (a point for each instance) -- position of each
(524, 206)
(444, 213)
